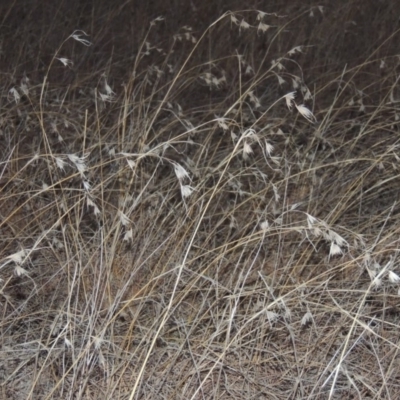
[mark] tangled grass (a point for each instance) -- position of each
(218, 222)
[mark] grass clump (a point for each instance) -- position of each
(209, 212)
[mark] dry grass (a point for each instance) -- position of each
(209, 212)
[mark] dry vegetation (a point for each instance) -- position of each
(202, 206)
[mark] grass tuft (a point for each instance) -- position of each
(199, 211)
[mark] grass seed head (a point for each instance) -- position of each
(308, 317)
(66, 62)
(180, 172)
(263, 27)
(272, 316)
(261, 15)
(289, 97)
(268, 148)
(377, 282)
(123, 218)
(234, 20)
(18, 257)
(222, 123)
(128, 235)
(77, 35)
(335, 250)
(306, 113)
(246, 150)
(281, 81)
(393, 277)
(19, 271)
(186, 191)
(264, 226)
(244, 25)
(13, 93)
